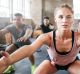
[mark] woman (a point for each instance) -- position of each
(63, 46)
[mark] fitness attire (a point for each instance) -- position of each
(63, 59)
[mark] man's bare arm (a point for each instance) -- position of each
(4, 31)
(27, 34)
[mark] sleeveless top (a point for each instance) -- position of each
(63, 58)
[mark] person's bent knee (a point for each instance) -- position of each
(11, 48)
(37, 72)
(73, 70)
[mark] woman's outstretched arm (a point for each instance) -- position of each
(22, 52)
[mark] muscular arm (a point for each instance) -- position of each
(78, 40)
(28, 50)
(4, 31)
(27, 34)
(23, 52)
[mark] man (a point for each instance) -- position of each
(41, 54)
(45, 27)
(20, 33)
(63, 47)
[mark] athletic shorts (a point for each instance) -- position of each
(65, 67)
(20, 44)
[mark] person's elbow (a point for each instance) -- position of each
(3, 31)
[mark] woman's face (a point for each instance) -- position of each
(64, 18)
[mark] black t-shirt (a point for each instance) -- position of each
(45, 29)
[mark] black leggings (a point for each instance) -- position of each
(20, 44)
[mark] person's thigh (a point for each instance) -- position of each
(74, 67)
(21, 43)
(45, 68)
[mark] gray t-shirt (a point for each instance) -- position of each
(16, 33)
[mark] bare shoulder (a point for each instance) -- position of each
(4, 31)
(41, 40)
(77, 34)
(44, 38)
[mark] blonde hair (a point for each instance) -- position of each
(64, 6)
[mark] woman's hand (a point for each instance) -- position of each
(4, 61)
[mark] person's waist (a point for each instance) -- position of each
(67, 62)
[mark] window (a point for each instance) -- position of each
(4, 8)
(27, 9)
(8, 7)
(17, 6)
(76, 6)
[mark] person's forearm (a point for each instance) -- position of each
(3, 31)
(28, 34)
(20, 54)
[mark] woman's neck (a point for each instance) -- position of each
(63, 34)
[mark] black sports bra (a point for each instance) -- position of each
(62, 53)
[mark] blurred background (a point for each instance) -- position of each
(33, 12)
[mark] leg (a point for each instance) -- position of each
(32, 59)
(11, 48)
(20, 44)
(74, 68)
(45, 68)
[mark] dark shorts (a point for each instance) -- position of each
(59, 67)
(20, 44)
